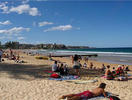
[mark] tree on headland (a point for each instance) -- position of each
(17, 45)
(12, 45)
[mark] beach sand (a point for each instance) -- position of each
(28, 81)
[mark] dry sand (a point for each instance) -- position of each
(28, 81)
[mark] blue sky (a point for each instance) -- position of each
(95, 24)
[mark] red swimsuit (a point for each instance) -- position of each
(85, 95)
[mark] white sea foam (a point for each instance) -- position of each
(68, 52)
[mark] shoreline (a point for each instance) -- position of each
(103, 57)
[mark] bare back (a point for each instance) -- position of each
(98, 91)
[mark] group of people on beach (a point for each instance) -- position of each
(119, 73)
(10, 55)
(61, 68)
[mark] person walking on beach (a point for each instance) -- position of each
(87, 94)
(76, 65)
(1, 53)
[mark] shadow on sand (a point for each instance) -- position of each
(27, 72)
(31, 72)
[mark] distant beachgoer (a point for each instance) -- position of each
(66, 69)
(18, 59)
(1, 53)
(87, 94)
(75, 58)
(61, 69)
(113, 71)
(127, 68)
(76, 65)
(108, 73)
(103, 67)
(85, 65)
(123, 67)
(11, 53)
(72, 57)
(91, 65)
(86, 59)
(120, 71)
(54, 66)
(13, 57)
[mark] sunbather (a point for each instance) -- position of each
(87, 94)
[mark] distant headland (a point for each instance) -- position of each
(17, 45)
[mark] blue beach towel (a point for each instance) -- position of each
(62, 78)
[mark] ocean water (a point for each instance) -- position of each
(110, 55)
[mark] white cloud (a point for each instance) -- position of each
(20, 9)
(21, 38)
(44, 23)
(3, 7)
(61, 28)
(25, 8)
(5, 23)
(14, 30)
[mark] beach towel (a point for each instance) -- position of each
(62, 78)
(114, 98)
(54, 75)
(82, 82)
(101, 97)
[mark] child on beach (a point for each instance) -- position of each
(87, 94)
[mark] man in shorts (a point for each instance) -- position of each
(87, 94)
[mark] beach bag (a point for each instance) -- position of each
(55, 75)
(114, 98)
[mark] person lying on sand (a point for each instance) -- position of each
(87, 94)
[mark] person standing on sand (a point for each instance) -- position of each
(87, 94)
(11, 53)
(54, 66)
(76, 65)
(1, 53)
(72, 57)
